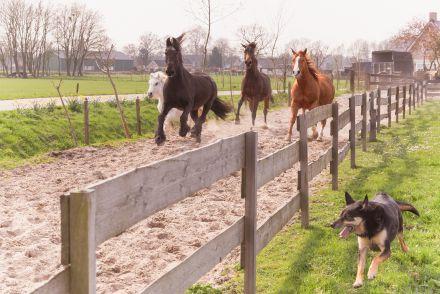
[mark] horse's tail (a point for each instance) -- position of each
(220, 108)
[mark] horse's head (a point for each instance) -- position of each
(249, 54)
(156, 82)
(299, 62)
(173, 55)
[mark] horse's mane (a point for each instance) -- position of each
(312, 68)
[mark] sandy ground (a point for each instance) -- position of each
(30, 213)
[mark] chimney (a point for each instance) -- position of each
(433, 16)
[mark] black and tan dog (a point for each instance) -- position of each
(376, 223)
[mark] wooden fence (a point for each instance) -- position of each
(108, 208)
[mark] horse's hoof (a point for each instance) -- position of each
(199, 139)
(160, 140)
(264, 127)
(237, 121)
(319, 139)
(288, 138)
(184, 131)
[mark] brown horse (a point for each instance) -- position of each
(187, 92)
(311, 89)
(255, 86)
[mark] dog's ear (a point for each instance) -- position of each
(348, 199)
(365, 203)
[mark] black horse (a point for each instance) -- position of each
(187, 92)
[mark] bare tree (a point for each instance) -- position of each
(105, 63)
(338, 59)
(258, 34)
(66, 112)
(319, 52)
(299, 44)
(149, 45)
(280, 23)
(208, 12)
(359, 51)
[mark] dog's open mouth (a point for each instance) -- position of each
(345, 232)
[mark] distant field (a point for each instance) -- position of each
(98, 85)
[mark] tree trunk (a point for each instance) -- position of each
(205, 49)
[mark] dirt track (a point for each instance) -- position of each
(29, 209)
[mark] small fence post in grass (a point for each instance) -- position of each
(82, 242)
(409, 98)
(373, 118)
(352, 137)
(138, 116)
(289, 88)
(426, 89)
(250, 218)
(303, 173)
(389, 107)
(364, 122)
(397, 104)
(86, 122)
(404, 102)
(378, 110)
(367, 82)
(335, 140)
(414, 95)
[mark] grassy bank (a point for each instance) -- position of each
(27, 134)
(99, 85)
(405, 162)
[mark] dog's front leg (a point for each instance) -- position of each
(384, 255)
(363, 250)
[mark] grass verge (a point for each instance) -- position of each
(405, 162)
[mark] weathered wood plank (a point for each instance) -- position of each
(317, 114)
(315, 167)
(82, 242)
(274, 223)
(124, 200)
(358, 126)
(383, 101)
(352, 107)
(276, 163)
(383, 116)
(393, 106)
(303, 181)
(358, 99)
(57, 284)
(364, 130)
(335, 140)
(343, 152)
(189, 271)
(344, 119)
(250, 213)
(65, 233)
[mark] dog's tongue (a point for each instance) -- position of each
(345, 232)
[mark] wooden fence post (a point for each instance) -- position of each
(289, 100)
(367, 82)
(426, 90)
(250, 215)
(378, 110)
(397, 104)
(352, 137)
(364, 122)
(82, 242)
(352, 87)
(303, 180)
(409, 99)
(373, 118)
(86, 122)
(335, 140)
(404, 102)
(389, 107)
(138, 116)
(414, 96)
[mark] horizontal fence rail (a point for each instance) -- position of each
(108, 208)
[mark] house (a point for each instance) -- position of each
(392, 62)
(419, 52)
(122, 62)
(156, 65)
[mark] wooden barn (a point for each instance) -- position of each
(392, 62)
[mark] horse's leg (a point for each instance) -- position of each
(237, 115)
(254, 111)
(315, 133)
(198, 126)
(184, 128)
(266, 107)
(194, 116)
(160, 134)
(323, 122)
(294, 112)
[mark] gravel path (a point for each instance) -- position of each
(30, 222)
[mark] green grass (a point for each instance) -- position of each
(95, 84)
(405, 162)
(27, 134)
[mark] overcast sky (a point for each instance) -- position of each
(334, 22)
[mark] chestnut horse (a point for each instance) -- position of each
(310, 90)
(255, 86)
(187, 92)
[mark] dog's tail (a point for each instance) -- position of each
(407, 207)
(220, 108)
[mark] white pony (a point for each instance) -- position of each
(155, 91)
